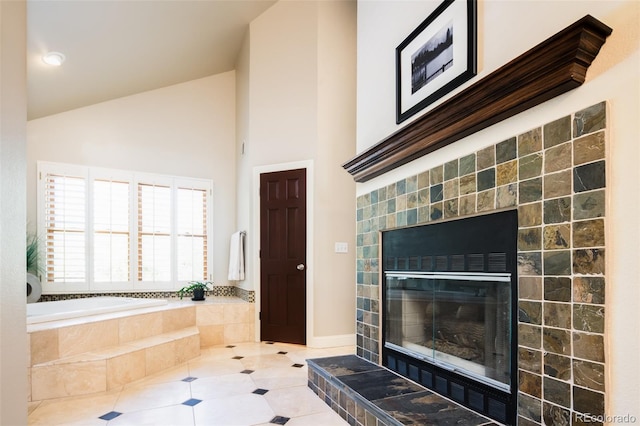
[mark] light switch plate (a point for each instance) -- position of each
(342, 248)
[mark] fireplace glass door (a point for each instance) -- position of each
(457, 321)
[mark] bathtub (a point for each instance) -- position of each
(73, 308)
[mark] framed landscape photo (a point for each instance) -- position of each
(436, 57)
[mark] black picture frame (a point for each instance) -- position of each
(438, 56)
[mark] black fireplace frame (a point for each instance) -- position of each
(476, 244)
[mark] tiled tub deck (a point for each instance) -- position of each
(98, 353)
(366, 394)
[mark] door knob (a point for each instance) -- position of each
(300, 267)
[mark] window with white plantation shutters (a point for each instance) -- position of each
(111, 237)
(154, 232)
(65, 222)
(192, 234)
(109, 230)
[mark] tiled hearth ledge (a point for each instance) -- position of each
(366, 394)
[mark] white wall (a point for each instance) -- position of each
(13, 117)
(506, 30)
(182, 130)
(299, 111)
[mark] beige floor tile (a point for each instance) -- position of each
(279, 377)
(174, 415)
(265, 361)
(295, 402)
(235, 410)
(78, 410)
(253, 349)
(170, 375)
(159, 395)
(216, 352)
(226, 394)
(222, 386)
(206, 368)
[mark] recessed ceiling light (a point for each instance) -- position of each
(53, 58)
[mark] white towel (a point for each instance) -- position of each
(236, 257)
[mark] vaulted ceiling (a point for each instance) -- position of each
(117, 48)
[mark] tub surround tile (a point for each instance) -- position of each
(176, 319)
(55, 381)
(125, 369)
(139, 326)
(87, 337)
(120, 350)
(44, 346)
(215, 292)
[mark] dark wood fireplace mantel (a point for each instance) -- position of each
(555, 66)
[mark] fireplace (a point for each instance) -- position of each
(449, 300)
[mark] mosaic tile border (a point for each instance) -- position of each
(216, 291)
(555, 176)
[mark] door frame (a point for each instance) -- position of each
(255, 250)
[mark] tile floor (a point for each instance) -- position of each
(241, 384)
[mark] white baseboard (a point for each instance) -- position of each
(331, 341)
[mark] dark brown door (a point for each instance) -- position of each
(283, 242)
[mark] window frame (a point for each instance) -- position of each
(133, 178)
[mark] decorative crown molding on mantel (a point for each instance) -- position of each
(555, 66)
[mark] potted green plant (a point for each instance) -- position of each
(197, 288)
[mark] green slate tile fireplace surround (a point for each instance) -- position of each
(554, 175)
